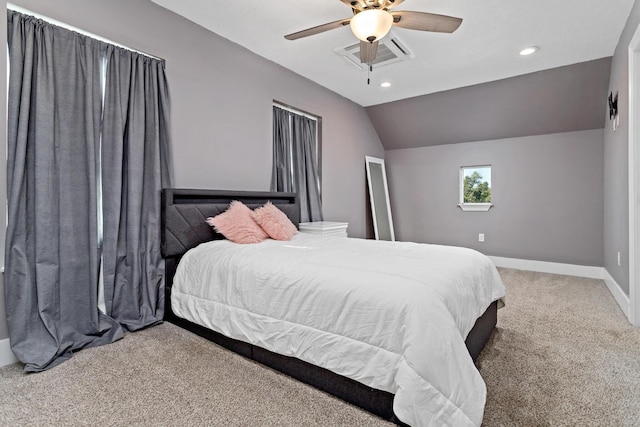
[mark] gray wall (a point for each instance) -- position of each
(221, 105)
(616, 163)
(546, 191)
(4, 333)
(558, 100)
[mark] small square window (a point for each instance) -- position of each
(475, 188)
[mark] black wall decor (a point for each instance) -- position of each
(613, 105)
(613, 110)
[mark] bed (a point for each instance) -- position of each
(382, 364)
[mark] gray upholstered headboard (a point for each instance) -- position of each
(184, 213)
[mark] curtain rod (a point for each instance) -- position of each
(295, 110)
(15, 8)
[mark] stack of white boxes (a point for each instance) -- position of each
(326, 228)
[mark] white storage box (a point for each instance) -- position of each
(325, 228)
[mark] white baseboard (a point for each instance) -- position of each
(618, 294)
(549, 267)
(590, 272)
(6, 355)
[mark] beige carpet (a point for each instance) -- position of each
(563, 354)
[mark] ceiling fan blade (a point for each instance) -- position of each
(319, 29)
(424, 21)
(368, 51)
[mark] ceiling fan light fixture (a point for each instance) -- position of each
(371, 24)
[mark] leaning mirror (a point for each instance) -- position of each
(379, 198)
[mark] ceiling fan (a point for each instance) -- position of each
(372, 20)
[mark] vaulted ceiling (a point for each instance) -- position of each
(564, 99)
(484, 48)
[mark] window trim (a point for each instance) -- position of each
(475, 207)
(318, 121)
(471, 207)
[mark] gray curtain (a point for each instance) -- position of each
(306, 168)
(282, 175)
(53, 128)
(77, 165)
(135, 168)
(295, 166)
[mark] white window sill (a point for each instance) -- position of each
(475, 207)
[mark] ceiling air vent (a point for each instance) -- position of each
(390, 50)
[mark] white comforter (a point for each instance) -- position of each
(391, 315)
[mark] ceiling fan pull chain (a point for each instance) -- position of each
(369, 71)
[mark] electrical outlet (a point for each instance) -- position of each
(481, 238)
(618, 258)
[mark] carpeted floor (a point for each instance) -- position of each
(563, 354)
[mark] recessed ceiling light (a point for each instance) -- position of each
(529, 50)
(385, 84)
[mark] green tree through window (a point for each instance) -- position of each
(476, 190)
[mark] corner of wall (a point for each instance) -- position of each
(616, 291)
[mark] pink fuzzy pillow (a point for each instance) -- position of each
(272, 220)
(237, 224)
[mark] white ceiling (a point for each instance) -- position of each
(484, 48)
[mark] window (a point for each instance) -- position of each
(475, 188)
(296, 159)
